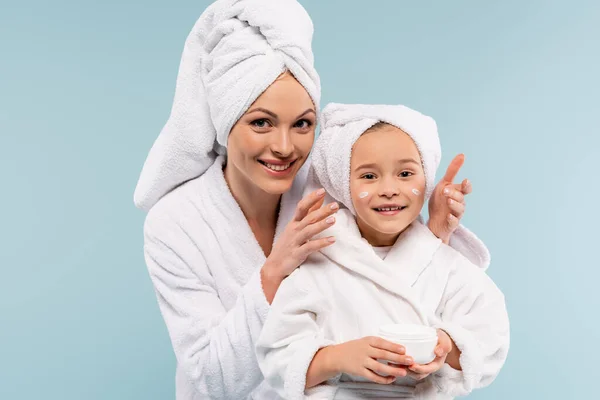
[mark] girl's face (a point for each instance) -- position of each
(387, 183)
(271, 141)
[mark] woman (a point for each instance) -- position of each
(223, 232)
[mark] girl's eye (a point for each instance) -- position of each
(303, 124)
(368, 176)
(406, 174)
(260, 123)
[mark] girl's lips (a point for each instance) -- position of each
(395, 210)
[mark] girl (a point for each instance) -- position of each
(385, 268)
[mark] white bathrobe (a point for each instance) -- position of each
(347, 292)
(204, 262)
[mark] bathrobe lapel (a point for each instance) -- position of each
(397, 273)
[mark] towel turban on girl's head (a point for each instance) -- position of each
(343, 124)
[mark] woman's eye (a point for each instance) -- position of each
(260, 123)
(406, 174)
(303, 124)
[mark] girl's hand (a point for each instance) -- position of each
(294, 245)
(447, 202)
(359, 358)
(444, 347)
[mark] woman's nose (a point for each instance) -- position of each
(282, 144)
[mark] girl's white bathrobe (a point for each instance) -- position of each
(204, 262)
(347, 292)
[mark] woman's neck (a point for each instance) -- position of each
(254, 202)
(259, 207)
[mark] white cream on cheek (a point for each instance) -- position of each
(362, 195)
(416, 192)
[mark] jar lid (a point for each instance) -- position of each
(408, 331)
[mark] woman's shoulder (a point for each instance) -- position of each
(179, 208)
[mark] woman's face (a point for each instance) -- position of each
(272, 140)
(387, 183)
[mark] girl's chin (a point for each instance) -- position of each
(389, 229)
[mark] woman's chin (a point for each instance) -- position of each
(276, 186)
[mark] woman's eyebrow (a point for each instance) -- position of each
(264, 110)
(310, 110)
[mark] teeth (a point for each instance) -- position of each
(388, 209)
(277, 167)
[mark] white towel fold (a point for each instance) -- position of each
(236, 50)
(343, 124)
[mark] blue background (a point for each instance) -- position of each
(85, 87)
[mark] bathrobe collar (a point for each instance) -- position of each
(399, 271)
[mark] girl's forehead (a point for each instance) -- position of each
(385, 144)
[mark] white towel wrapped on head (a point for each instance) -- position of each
(343, 124)
(235, 51)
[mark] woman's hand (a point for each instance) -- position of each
(447, 202)
(444, 349)
(359, 358)
(295, 244)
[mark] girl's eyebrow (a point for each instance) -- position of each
(401, 161)
(364, 166)
(408, 160)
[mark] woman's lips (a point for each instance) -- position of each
(277, 168)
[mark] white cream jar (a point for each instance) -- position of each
(419, 340)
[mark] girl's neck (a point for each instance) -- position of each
(377, 238)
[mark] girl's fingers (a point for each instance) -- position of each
(382, 380)
(440, 352)
(383, 344)
(384, 369)
(390, 356)
(427, 368)
(416, 376)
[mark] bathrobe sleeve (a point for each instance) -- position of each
(291, 335)
(213, 345)
(473, 313)
(469, 245)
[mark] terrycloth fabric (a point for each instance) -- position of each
(346, 292)
(204, 262)
(236, 49)
(343, 124)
